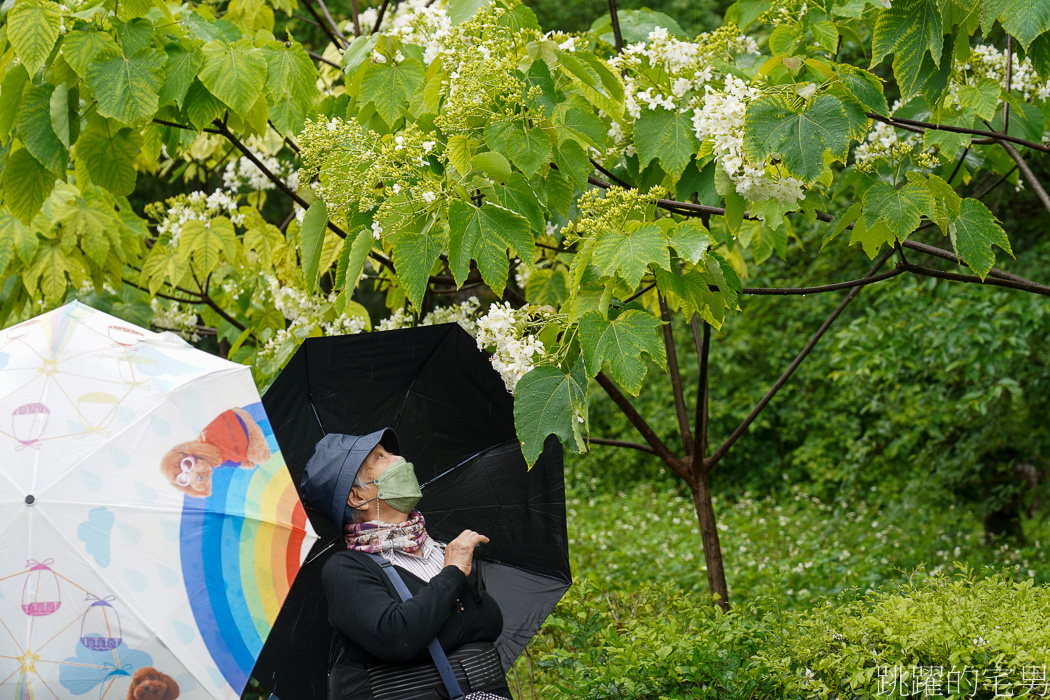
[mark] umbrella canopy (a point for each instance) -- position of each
(455, 421)
(149, 531)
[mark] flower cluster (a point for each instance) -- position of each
(360, 170)
(611, 209)
(462, 313)
(481, 57)
(244, 174)
(345, 324)
(295, 304)
(420, 22)
(883, 144)
(720, 120)
(401, 318)
(174, 212)
(174, 317)
(505, 331)
(680, 76)
(989, 62)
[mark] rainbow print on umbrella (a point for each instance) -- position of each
(250, 530)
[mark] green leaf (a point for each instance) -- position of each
(358, 247)
(773, 126)
(548, 287)
(234, 73)
(165, 264)
(49, 271)
(38, 135)
(593, 78)
(358, 51)
(390, 86)
(27, 184)
(1039, 52)
(982, 98)
(586, 125)
(460, 11)
(32, 29)
(872, 238)
(126, 87)
(205, 242)
(827, 35)
(1025, 19)
(784, 39)
(619, 344)
(539, 75)
(59, 107)
(458, 152)
(841, 222)
(865, 87)
(973, 232)
(908, 30)
(80, 48)
(526, 148)
(179, 72)
(493, 164)
(484, 234)
(518, 197)
(548, 401)
(691, 239)
(22, 240)
(134, 36)
(573, 162)
(627, 253)
(312, 233)
(665, 135)
(414, 256)
(110, 157)
(93, 217)
(901, 210)
(291, 84)
(10, 98)
(201, 107)
(690, 291)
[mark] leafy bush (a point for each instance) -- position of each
(651, 642)
(908, 638)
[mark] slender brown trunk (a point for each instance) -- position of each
(705, 513)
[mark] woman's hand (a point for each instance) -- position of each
(460, 551)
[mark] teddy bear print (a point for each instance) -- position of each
(232, 437)
(150, 684)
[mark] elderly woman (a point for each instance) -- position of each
(381, 648)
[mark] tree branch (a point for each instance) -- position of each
(676, 378)
(175, 125)
(903, 123)
(973, 279)
(746, 423)
(622, 443)
(1037, 187)
(327, 26)
(703, 351)
(789, 291)
(322, 59)
(614, 15)
(379, 17)
(333, 23)
(952, 257)
(659, 448)
(356, 17)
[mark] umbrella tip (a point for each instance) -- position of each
(30, 499)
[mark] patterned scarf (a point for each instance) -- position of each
(377, 537)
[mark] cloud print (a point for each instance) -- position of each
(94, 533)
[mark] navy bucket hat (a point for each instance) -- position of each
(329, 474)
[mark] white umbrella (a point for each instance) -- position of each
(149, 530)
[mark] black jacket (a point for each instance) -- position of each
(375, 626)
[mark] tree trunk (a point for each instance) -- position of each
(705, 514)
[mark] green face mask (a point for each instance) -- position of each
(398, 486)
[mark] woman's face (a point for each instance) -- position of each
(375, 463)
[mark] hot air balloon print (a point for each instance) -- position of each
(96, 409)
(28, 422)
(123, 335)
(100, 626)
(40, 593)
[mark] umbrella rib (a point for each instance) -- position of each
(73, 549)
(400, 410)
(473, 456)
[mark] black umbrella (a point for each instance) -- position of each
(455, 422)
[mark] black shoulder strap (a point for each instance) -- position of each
(438, 654)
